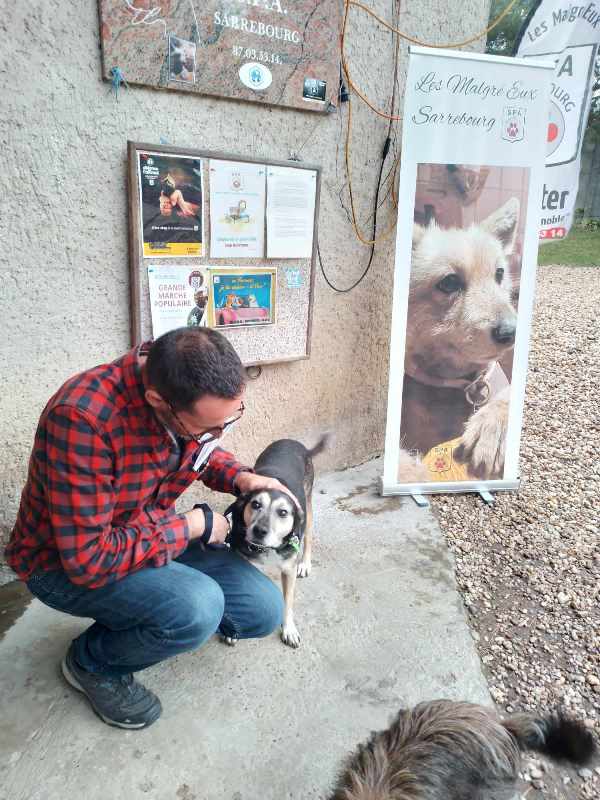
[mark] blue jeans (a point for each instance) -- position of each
(156, 613)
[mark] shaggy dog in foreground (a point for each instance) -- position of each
(444, 750)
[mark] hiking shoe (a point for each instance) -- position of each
(118, 700)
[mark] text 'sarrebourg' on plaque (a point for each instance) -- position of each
(277, 52)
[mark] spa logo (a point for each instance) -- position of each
(236, 183)
(255, 76)
(513, 123)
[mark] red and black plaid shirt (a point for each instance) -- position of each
(99, 496)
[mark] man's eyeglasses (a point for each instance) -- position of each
(212, 433)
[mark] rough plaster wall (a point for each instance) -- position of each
(64, 225)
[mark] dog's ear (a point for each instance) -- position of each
(237, 512)
(238, 526)
(503, 224)
(418, 231)
(299, 518)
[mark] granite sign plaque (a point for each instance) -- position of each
(277, 52)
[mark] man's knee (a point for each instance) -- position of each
(200, 611)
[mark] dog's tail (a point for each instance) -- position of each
(555, 735)
(321, 445)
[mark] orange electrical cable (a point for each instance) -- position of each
(359, 235)
(392, 117)
(398, 32)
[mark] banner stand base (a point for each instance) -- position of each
(422, 501)
(421, 490)
(487, 497)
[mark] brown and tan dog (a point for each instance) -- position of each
(461, 322)
(267, 524)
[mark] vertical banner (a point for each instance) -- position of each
(474, 129)
(569, 36)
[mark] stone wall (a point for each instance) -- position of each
(65, 298)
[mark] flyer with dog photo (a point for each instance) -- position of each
(171, 202)
(242, 297)
(179, 297)
(237, 209)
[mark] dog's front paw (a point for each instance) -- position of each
(229, 640)
(483, 444)
(290, 635)
(304, 568)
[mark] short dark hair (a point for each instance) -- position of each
(186, 364)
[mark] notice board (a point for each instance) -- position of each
(270, 318)
(278, 52)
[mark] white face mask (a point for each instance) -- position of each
(207, 448)
(204, 454)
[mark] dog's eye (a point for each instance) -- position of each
(282, 512)
(450, 284)
(499, 274)
(255, 505)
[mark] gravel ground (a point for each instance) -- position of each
(528, 567)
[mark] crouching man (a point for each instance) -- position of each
(97, 535)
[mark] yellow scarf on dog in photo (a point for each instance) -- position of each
(442, 465)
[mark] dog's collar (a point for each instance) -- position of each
(477, 391)
(291, 544)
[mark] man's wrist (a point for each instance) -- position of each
(196, 521)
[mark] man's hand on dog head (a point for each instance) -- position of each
(196, 522)
(247, 482)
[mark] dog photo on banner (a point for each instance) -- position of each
(459, 343)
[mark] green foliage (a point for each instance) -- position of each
(580, 248)
(501, 41)
(590, 224)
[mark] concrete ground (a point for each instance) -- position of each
(382, 627)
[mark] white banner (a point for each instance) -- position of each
(569, 35)
(466, 251)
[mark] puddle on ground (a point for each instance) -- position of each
(14, 599)
(377, 505)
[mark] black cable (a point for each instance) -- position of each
(386, 149)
